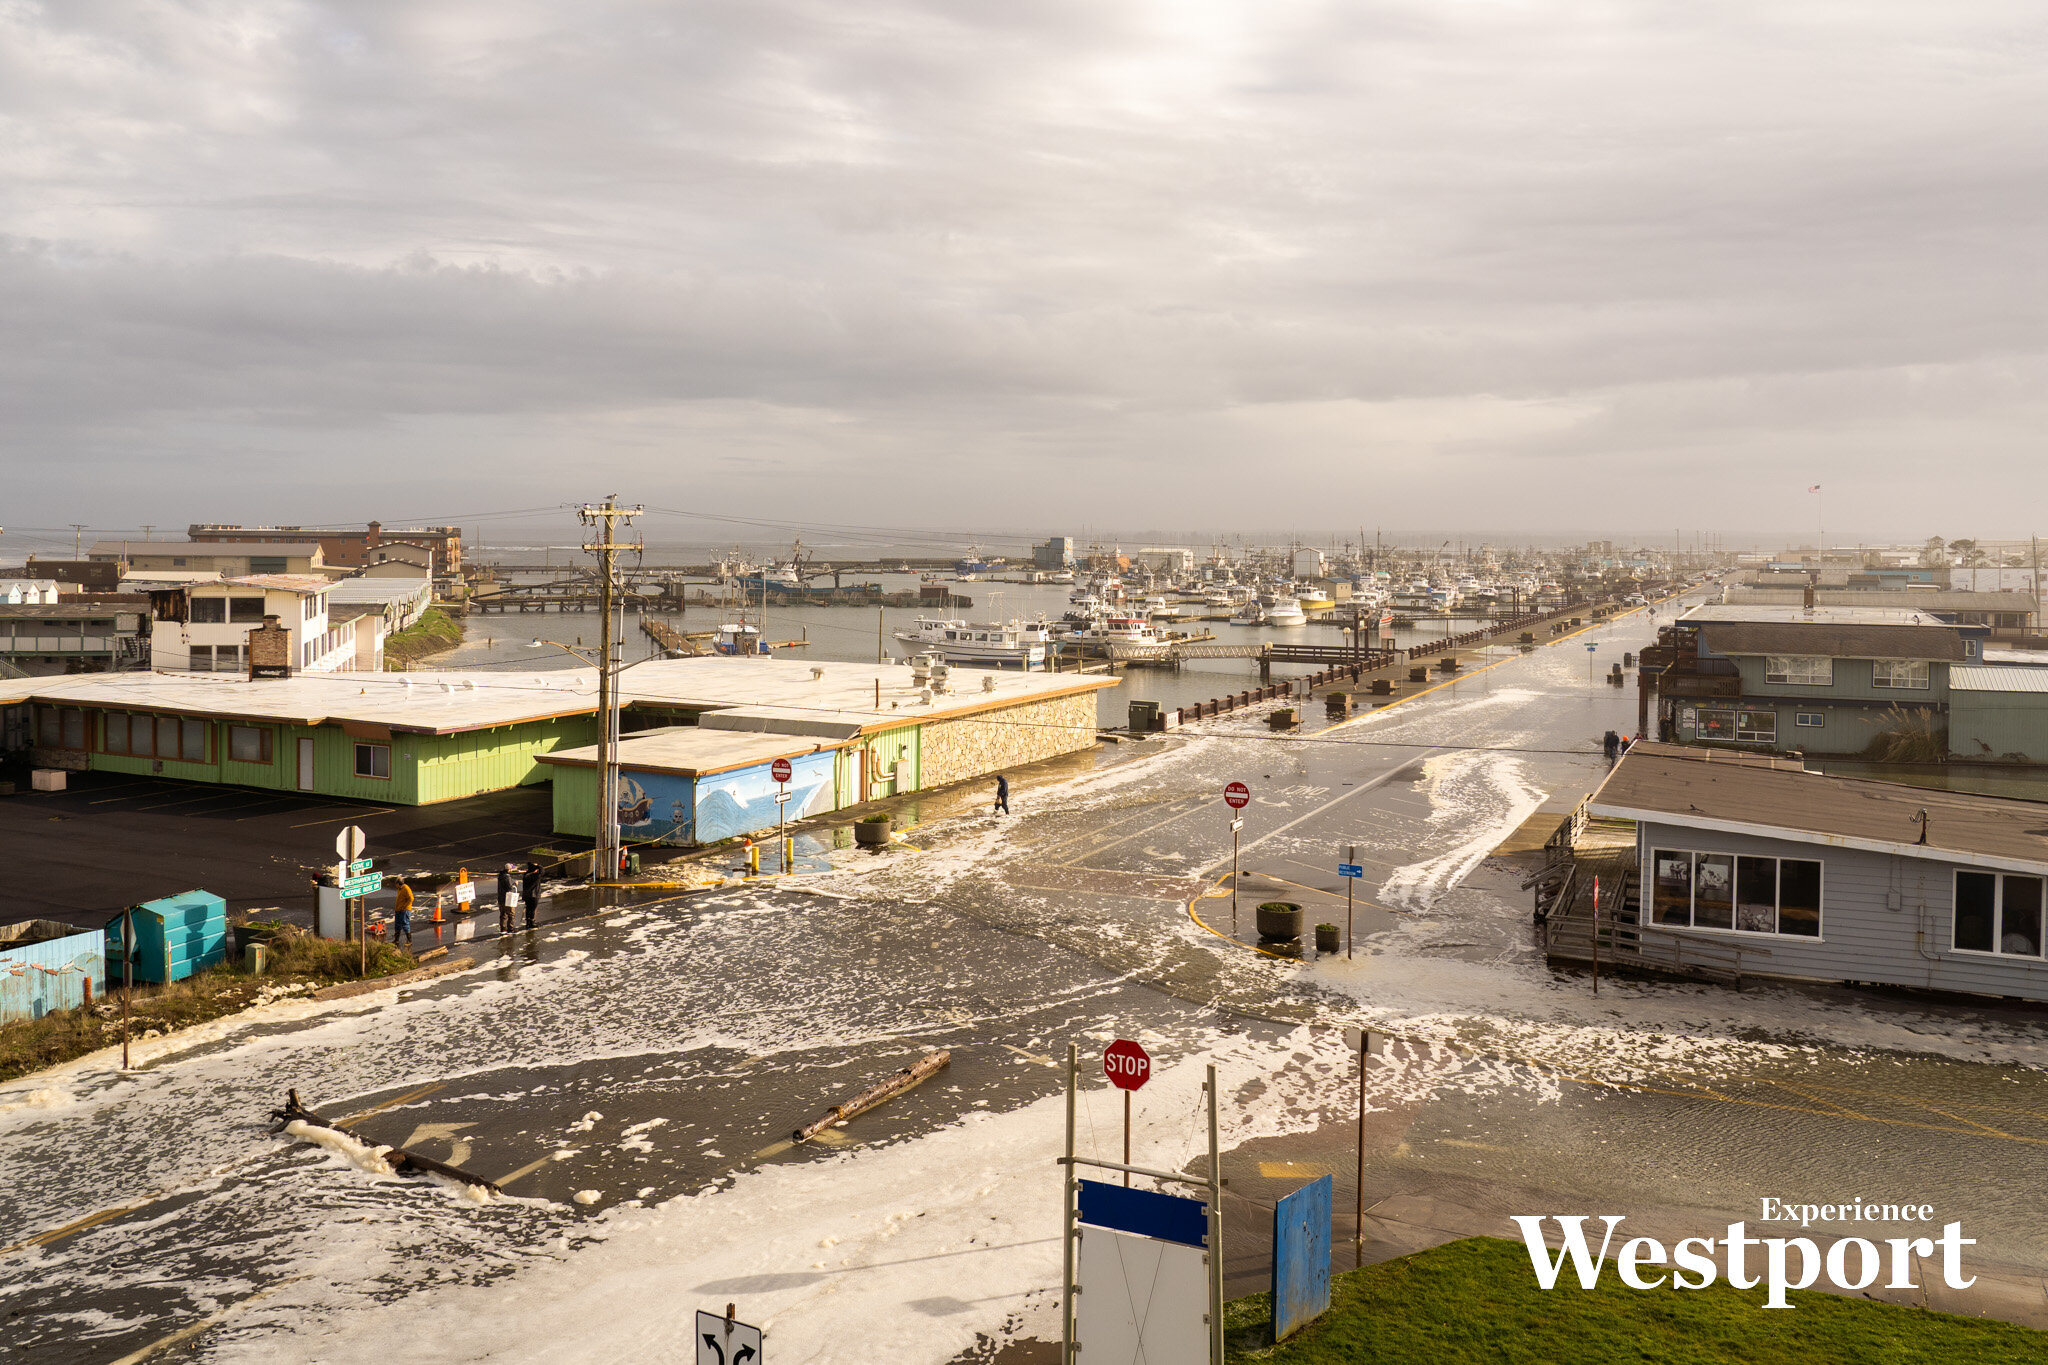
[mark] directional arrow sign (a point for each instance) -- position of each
(1351, 869)
(724, 1341)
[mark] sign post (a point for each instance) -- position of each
(779, 770)
(1350, 870)
(1237, 796)
(1359, 1041)
(360, 881)
(1128, 1067)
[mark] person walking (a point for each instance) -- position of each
(1002, 795)
(505, 899)
(1610, 744)
(529, 891)
(401, 917)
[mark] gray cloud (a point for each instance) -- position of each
(1614, 263)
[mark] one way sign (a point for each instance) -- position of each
(722, 1341)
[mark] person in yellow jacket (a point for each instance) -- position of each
(401, 917)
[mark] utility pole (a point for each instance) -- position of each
(77, 534)
(147, 527)
(605, 516)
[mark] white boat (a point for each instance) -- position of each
(998, 643)
(737, 637)
(1250, 614)
(1125, 637)
(1286, 612)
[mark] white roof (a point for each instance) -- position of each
(438, 702)
(789, 720)
(1997, 678)
(2025, 658)
(376, 590)
(692, 750)
(1767, 614)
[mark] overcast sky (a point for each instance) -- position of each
(1619, 267)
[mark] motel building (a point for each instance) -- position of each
(1725, 866)
(700, 735)
(204, 627)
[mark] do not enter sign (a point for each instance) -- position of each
(779, 770)
(1127, 1065)
(1237, 795)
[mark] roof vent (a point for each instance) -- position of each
(988, 683)
(817, 673)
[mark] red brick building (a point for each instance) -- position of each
(348, 548)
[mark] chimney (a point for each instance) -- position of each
(270, 650)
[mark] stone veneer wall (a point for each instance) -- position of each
(980, 745)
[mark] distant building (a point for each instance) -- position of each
(15, 592)
(1056, 553)
(348, 549)
(206, 558)
(91, 633)
(1164, 559)
(1308, 563)
(87, 574)
(205, 628)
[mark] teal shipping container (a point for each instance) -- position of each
(174, 937)
(47, 966)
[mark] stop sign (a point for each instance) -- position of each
(1127, 1065)
(779, 770)
(1238, 795)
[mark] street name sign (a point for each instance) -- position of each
(360, 866)
(363, 885)
(1351, 869)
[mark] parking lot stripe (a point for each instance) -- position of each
(350, 818)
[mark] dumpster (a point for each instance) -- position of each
(174, 937)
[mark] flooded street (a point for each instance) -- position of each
(632, 1079)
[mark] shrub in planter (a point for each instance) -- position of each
(872, 830)
(1281, 920)
(1326, 938)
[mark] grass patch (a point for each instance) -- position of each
(434, 632)
(298, 963)
(1475, 1301)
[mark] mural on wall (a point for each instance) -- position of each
(655, 808)
(743, 802)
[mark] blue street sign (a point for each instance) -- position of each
(1591, 648)
(1351, 869)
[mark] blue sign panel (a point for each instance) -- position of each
(1301, 1258)
(1351, 869)
(1165, 1217)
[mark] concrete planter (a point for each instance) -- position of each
(1281, 921)
(1286, 718)
(872, 833)
(1326, 938)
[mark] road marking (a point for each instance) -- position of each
(1475, 1146)
(528, 1169)
(406, 1098)
(91, 1220)
(1345, 795)
(1029, 1056)
(349, 818)
(1292, 1170)
(184, 1334)
(458, 1146)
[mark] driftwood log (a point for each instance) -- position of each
(908, 1078)
(400, 1159)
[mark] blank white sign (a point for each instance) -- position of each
(1142, 1301)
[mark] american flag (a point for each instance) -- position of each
(1814, 489)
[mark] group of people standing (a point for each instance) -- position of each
(528, 882)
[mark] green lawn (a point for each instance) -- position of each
(1476, 1301)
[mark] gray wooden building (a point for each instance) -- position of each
(1745, 865)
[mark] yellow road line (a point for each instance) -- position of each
(406, 1098)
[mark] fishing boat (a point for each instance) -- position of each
(1250, 614)
(999, 643)
(1125, 638)
(737, 637)
(1286, 612)
(1315, 599)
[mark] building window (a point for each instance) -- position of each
(247, 610)
(1899, 673)
(192, 740)
(200, 660)
(306, 608)
(1714, 724)
(209, 611)
(114, 733)
(267, 564)
(1812, 720)
(1756, 727)
(60, 728)
(373, 760)
(1998, 913)
(249, 743)
(1799, 670)
(1740, 893)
